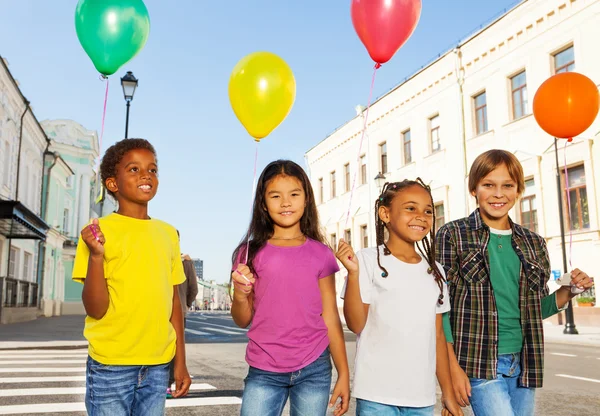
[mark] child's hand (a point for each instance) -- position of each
(451, 408)
(581, 280)
(461, 385)
(94, 238)
(182, 380)
(341, 391)
(243, 282)
(346, 255)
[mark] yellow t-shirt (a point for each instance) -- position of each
(142, 263)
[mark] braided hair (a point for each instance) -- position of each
(426, 246)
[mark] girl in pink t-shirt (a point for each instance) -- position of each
(286, 290)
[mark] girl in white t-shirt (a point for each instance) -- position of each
(394, 298)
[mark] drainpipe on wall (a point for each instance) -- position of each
(460, 80)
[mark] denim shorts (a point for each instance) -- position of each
(502, 396)
(125, 390)
(368, 408)
(266, 392)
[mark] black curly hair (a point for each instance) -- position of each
(426, 246)
(114, 155)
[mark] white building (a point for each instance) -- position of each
(472, 99)
(22, 230)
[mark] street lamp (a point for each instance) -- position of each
(380, 180)
(129, 83)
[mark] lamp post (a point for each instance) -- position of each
(129, 83)
(380, 180)
(570, 327)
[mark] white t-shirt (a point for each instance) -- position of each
(396, 351)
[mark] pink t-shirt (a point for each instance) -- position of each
(288, 331)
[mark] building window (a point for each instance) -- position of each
(333, 239)
(406, 147)
(27, 263)
(321, 190)
(65, 221)
(564, 61)
(481, 122)
(347, 177)
(13, 267)
(579, 217)
(518, 85)
(348, 236)
(440, 218)
(364, 236)
(363, 169)
(383, 157)
(528, 207)
(434, 134)
(333, 194)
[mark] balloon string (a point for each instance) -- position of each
(362, 136)
(103, 118)
(252, 200)
(568, 204)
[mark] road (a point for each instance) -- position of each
(53, 382)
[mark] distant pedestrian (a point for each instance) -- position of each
(129, 264)
(287, 291)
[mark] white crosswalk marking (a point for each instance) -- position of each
(51, 388)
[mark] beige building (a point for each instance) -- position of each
(476, 97)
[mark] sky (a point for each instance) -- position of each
(181, 105)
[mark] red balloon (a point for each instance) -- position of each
(384, 26)
(566, 104)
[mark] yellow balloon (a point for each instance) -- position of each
(262, 90)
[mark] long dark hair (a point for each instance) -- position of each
(426, 246)
(261, 225)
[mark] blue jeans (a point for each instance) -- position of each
(367, 408)
(502, 396)
(125, 390)
(265, 392)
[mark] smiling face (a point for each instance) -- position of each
(285, 200)
(136, 180)
(410, 214)
(496, 194)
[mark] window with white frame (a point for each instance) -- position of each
(434, 134)
(364, 236)
(440, 217)
(564, 61)
(480, 106)
(333, 240)
(348, 236)
(321, 199)
(333, 184)
(518, 85)
(528, 207)
(579, 215)
(363, 169)
(347, 177)
(27, 266)
(65, 225)
(406, 147)
(13, 264)
(383, 161)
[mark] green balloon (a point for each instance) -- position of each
(111, 31)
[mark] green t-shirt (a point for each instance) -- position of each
(505, 271)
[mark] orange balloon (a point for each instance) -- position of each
(566, 104)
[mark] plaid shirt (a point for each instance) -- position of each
(462, 249)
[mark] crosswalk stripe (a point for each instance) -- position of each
(244, 330)
(51, 408)
(44, 370)
(223, 331)
(27, 352)
(42, 362)
(193, 331)
(9, 380)
(51, 391)
(44, 356)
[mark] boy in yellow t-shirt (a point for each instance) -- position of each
(129, 263)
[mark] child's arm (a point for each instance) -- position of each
(443, 369)
(243, 298)
(337, 345)
(95, 291)
(460, 381)
(355, 311)
(182, 377)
